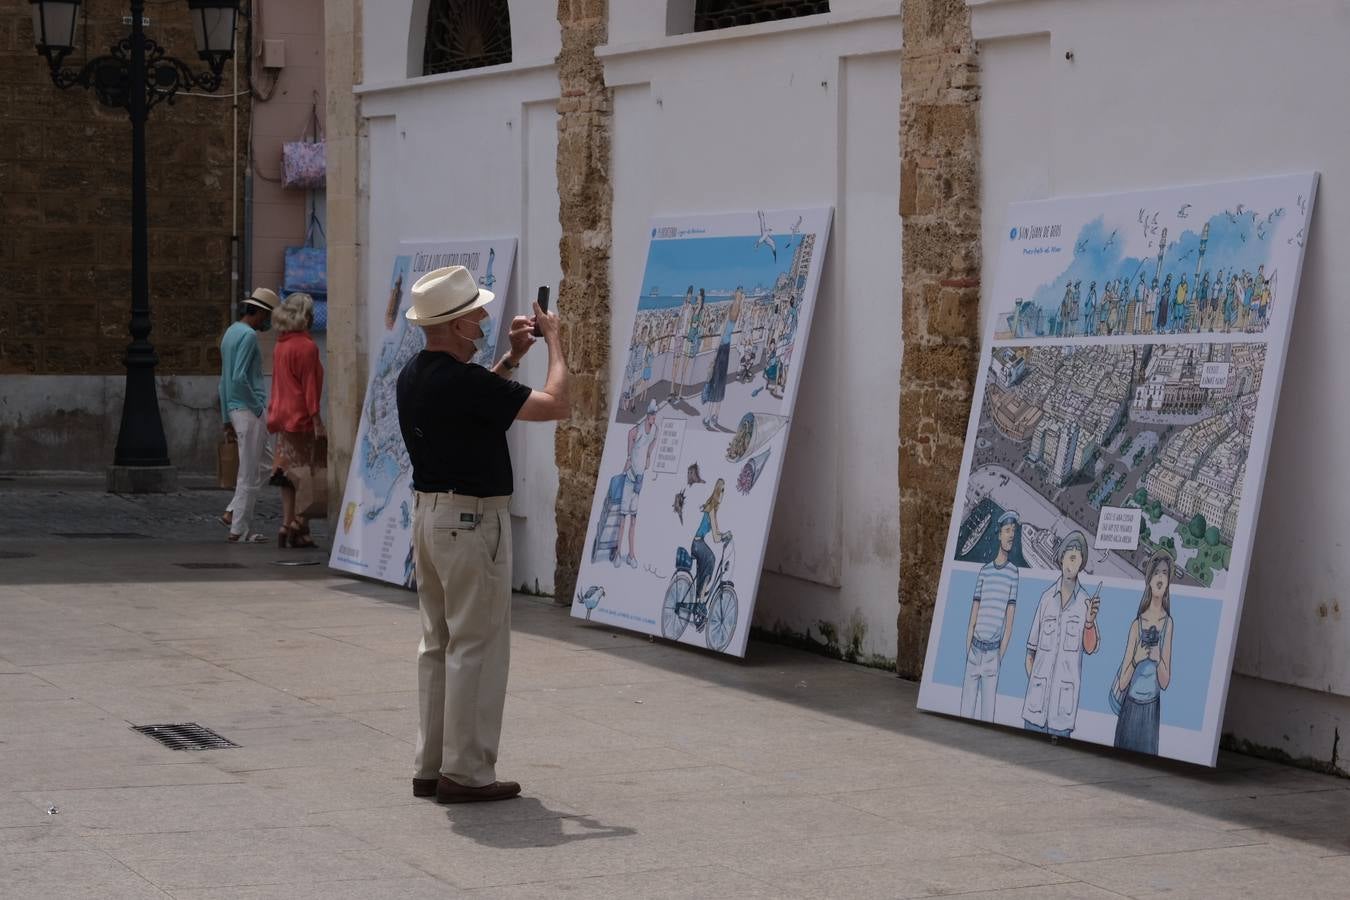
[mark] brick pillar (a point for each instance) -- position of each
(585, 201)
(347, 370)
(940, 295)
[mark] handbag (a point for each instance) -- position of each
(306, 268)
(311, 483)
(304, 163)
(227, 463)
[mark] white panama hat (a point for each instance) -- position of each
(443, 295)
(263, 298)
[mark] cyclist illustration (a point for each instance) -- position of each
(707, 598)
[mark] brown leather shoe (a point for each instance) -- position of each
(424, 787)
(448, 791)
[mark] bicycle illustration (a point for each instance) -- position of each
(716, 611)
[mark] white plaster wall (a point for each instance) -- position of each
(799, 113)
(1162, 93)
(469, 155)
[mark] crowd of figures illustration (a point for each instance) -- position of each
(1237, 301)
(1166, 294)
(1065, 628)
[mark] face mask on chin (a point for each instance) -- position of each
(480, 343)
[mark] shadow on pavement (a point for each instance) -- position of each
(532, 825)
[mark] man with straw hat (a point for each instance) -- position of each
(454, 416)
(243, 403)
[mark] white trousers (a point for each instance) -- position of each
(980, 688)
(255, 462)
(463, 553)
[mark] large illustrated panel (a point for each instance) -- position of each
(694, 451)
(373, 535)
(1105, 515)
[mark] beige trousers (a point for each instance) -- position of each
(463, 555)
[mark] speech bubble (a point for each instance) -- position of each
(1118, 528)
(669, 445)
(1214, 375)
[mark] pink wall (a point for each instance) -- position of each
(279, 215)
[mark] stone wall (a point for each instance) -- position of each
(346, 368)
(585, 196)
(65, 208)
(940, 294)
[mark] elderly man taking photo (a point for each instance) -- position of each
(454, 416)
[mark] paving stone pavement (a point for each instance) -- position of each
(650, 770)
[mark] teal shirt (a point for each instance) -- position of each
(241, 384)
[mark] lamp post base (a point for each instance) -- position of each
(142, 479)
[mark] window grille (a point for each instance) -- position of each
(466, 34)
(710, 15)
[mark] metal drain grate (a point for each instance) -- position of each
(104, 535)
(185, 736)
(14, 554)
(211, 565)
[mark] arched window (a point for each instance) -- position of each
(710, 15)
(466, 34)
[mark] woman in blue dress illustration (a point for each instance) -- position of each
(1146, 668)
(715, 389)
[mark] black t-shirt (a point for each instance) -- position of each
(454, 417)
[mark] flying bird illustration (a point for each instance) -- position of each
(797, 226)
(678, 506)
(1112, 240)
(1297, 239)
(1302, 207)
(1184, 212)
(1080, 246)
(766, 237)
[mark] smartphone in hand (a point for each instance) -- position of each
(542, 300)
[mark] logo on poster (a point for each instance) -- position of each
(1035, 232)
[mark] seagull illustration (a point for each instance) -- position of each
(797, 226)
(766, 237)
(1184, 212)
(1080, 246)
(1297, 239)
(1302, 207)
(1112, 240)
(591, 598)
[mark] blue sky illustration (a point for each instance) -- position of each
(714, 264)
(1239, 242)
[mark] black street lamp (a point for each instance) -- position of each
(136, 75)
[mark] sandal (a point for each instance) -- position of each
(226, 519)
(283, 537)
(251, 538)
(299, 536)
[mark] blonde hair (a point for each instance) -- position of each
(296, 313)
(714, 500)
